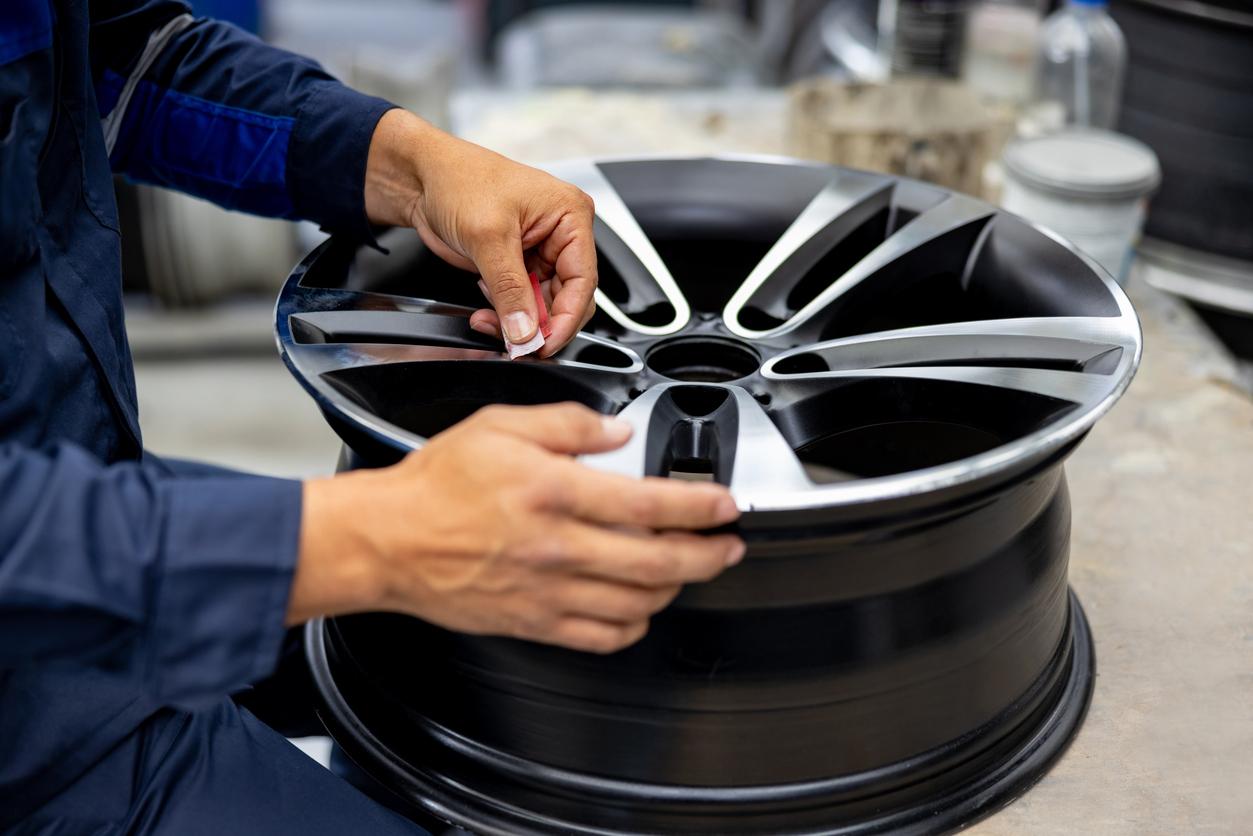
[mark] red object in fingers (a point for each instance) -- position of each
(544, 327)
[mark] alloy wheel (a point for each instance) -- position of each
(887, 376)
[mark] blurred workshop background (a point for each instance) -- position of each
(926, 88)
(952, 91)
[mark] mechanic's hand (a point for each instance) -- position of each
(492, 528)
(480, 211)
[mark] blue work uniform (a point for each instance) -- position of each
(135, 595)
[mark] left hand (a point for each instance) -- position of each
(480, 211)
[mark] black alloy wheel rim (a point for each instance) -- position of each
(888, 377)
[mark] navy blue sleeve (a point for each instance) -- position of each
(205, 108)
(179, 581)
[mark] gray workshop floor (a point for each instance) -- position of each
(1162, 559)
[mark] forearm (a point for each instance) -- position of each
(179, 581)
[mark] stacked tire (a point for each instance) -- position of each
(1189, 96)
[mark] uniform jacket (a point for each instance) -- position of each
(129, 586)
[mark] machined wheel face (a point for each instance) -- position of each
(885, 374)
(836, 337)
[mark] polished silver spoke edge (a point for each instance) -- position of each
(319, 358)
(615, 214)
(769, 282)
(952, 213)
(1075, 387)
(1078, 339)
(764, 460)
(390, 315)
(921, 352)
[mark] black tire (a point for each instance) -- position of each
(1189, 96)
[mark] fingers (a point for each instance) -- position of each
(485, 321)
(611, 499)
(566, 251)
(646, 559)
(606, 615)
(567, 428)
(571, 250)
(500, 263)
(551, 347)
(607, 498)
(592, 636)
(588, 313)
(569, 311)
(615, 602)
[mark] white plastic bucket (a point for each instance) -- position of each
(1091, 187)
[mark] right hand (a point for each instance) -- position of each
(480, 211)
(492, 528)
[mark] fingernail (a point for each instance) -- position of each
(727, 510)
(737, 553)
(519, 326)
(616, 429)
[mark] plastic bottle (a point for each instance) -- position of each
(1002, 37)
(1080, 63)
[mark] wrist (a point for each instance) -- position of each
(337, 571)
(401, 148)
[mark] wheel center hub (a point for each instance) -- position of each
(703, 359)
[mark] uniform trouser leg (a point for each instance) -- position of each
(209, 773)
(286, 700)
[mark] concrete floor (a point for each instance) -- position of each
(1162, 558)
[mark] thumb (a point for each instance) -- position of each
(504, 272)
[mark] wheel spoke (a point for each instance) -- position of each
(1028, 341)
(1065, 357)
(743, 447)
(597, 354)
(1066, 386)
(585, 355)
(315, 359)
(394, 327)
(843, 205)
(302, 299)
(621, 241)
(764, 460)
(913, 243)
(632, 458)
